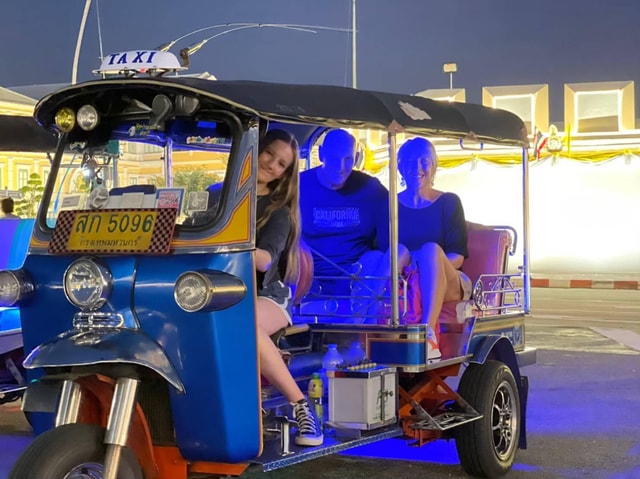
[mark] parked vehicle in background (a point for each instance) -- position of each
(17, 134)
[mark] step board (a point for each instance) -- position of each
(444, 421)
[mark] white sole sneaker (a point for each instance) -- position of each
(309, 441)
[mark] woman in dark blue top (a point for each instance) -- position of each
(432, 234)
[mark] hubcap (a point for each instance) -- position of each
(89, 470)
(504, 420)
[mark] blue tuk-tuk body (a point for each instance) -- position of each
(140, 324)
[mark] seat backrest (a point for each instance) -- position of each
(488, 248)
(305, 275)
(488, 251)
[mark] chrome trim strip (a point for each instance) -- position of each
(83, 320)
(69, 405)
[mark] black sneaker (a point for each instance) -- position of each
(309, 430)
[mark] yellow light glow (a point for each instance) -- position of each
(65, 119)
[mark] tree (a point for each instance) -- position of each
(27, 207)
(194, 179)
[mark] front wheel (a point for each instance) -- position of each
(487, 447)
(73, 451)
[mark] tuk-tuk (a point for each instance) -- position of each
(17, 134)
(140, 324)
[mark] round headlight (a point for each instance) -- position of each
(192, 291)
(87, 284)
(14, 285)
(87, 117)
(65, 119)
(208, 290)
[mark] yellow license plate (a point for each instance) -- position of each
(112, 231)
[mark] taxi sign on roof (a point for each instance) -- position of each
(139, 61)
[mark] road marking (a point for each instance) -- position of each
(580, 339)
(582, 319)
(623, 336)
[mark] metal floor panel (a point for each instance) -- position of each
(271, 458)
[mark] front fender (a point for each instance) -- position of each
(104, 346)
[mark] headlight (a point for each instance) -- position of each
(65, 119)
(87, 284)
(87, 117)
(208, 290)
(14, 286)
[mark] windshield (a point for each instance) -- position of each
(140, 168)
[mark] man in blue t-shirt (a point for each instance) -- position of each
(338, 207)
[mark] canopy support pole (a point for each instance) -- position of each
(526, 272)
(393, 227)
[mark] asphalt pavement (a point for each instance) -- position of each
(584, 403)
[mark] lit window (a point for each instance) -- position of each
(23, 177)
(521, 105)
(598, 111)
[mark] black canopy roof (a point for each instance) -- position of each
(22, 133)
(330, 106)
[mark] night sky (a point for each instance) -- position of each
(402, 44)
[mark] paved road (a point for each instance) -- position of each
(604, 321)
(584, 404)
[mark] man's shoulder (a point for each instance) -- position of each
(309, 178)
(361, 180)
(308, 174)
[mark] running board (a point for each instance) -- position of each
(7, 392)
(272, 459)
(444, 421)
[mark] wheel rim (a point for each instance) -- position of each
(89, 470)
(504, 420)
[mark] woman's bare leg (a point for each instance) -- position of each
(272, 367)
(439, 281)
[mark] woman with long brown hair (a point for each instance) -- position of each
(278, 233)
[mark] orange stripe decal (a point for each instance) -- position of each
(246, 169)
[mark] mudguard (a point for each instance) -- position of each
(104, 346)
(482, 346)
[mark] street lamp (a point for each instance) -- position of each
(197, 46)
(241, 26)
(450, 68)
(166, 46)
(354, 61)
(76, 56)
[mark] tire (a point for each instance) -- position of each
(487, 447)
(64, 452)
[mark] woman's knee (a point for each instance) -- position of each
(431, 253)
(369, 263)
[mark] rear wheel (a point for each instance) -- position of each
(73, 451)
(487, 447)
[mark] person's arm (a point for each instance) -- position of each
(382, 217)
(272, 239)
(263, 260)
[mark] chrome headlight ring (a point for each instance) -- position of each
(87, 117)
(208, 290)
(87, 283)
(15, 285)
